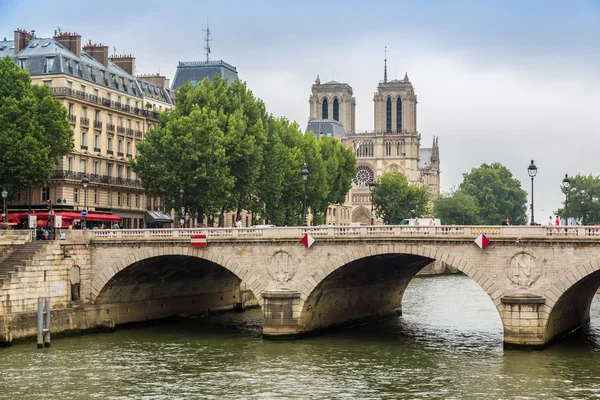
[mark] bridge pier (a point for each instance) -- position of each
(522, 317)
(281, 318)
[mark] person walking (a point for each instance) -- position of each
(506, 222)
(432, 221)
(550, 221)
(557, 221)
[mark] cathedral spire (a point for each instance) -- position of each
(385, 66)
(406, 77)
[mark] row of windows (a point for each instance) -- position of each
(95, 196)
(336, 109)
(109, 144)
(122, 169)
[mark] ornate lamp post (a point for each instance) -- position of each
(304, 173)
(182, 219)
(532, 171)
(565, 184)
(85, 181)
(372, 186)
(4, 216)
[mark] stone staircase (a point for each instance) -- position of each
(17, 260)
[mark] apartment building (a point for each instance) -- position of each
(110, 110)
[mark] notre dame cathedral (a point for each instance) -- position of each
(393, 146)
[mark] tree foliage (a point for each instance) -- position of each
(583, 199)
(221, 146)
(34, 130)
(394, 199)
(498, 194)
(457, 208)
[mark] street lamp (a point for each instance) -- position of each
(4, 216)
(304, 173)
(182, 219)
(84, 181)
(532, 171)
(565, 184)
(372, 186)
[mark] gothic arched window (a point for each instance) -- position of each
(399, 115)
(325, 110)
(388, 115)
(336, 109)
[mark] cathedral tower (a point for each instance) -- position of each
(395, 106)
(333, 101)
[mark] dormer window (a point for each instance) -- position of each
(21, 62)
(48, 64)
(78, 68)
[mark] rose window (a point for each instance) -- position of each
(363, 175)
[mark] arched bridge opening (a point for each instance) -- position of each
(362, 290)
(373, 287)
(169, 285)
(574, 294)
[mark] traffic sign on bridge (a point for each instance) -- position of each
(198, 240)
(84, 213)
(482, 241)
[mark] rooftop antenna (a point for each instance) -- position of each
(207, 41)
(114, 50)
(59, 31)
(385, 66)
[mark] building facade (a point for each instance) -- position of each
(110, 111)
(393, 146)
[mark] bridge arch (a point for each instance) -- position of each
(569, 299)
(321, 309)
(100, 280)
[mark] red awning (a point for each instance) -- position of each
(66, 215)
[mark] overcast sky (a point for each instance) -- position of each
(505, 81)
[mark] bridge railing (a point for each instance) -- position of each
(350, 231)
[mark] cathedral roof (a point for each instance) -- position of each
(425, 157)
(332, 82)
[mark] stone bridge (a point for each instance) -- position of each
(540, 279)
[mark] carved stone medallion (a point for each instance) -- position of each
(523, 269)
(282, 266)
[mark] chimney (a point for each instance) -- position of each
(22, 39)
(125, 62)
(71, 41)
(98, 51)
(157, 79)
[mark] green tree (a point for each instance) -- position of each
(34, 130)
(457, 208)
(340, 165)
(498, 194)
(186, 152)
(583, 200)
(394, 199)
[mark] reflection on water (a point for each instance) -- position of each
(448, 344)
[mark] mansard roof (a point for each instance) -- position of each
(196, 71)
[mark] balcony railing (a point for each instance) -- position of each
(98, 124)
(68, 92)
(120, 154)
(97, 149)
(110, 127)
(109, 152)
(84, 121)
(72, 119)
(95, 178)
(138, 134)
(83, 147)
(129, 155)
(120, 129)
(129, 131)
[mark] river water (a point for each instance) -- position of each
(447, 345)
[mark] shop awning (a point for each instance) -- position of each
(66, 215)
(156, 217)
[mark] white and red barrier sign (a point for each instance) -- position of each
(198, 240)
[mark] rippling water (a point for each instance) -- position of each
(447, 345)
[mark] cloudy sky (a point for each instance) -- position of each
(505, 81)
